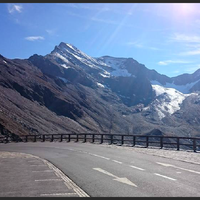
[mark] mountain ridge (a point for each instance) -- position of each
(85, 94)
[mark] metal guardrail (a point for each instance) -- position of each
(2, 139)
(118, 139)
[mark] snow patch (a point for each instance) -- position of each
(181, 88)
(65, 66)
(70, 46)
(4, 61)
(120, 72)
(169, 102)
(117, 65)
(105, 75)
(63, 79)
(79, 55)
(61, 57)
(113, 62)
(100, 85)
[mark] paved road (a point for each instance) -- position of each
(25, 175)
(107, 171)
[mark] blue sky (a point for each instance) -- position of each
(162, 36)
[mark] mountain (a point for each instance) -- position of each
(68, 91)
(67, 62)
(107, 66)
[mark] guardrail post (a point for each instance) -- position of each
(111, 139)
(194, 145)
(147, 141)
(178, 144)
(61, 137)
(52, 137)
(76, 138)
(34, 138)
(122, 139)
(6, 140)
(43, 138)
(93, 138)
(84, 138)
(161, 142)
(133, 141)
(26, 138)
(69, 138)
(101, 139)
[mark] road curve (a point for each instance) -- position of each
(106, 171)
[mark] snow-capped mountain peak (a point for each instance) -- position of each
(108, 66)
(63, 45)
(69, 53)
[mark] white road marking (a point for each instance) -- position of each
(169, 165)
(165, 177)
(178, 172)
(44, 171)
(164, 164)
(105, 172)
(136, 167)
(33, 161)
(122, 180)
(68, 186)
(48, 180)
(58, 194)
(56, 174)
(117, 161)
(98, 156)
(125, 181)
(68, 181)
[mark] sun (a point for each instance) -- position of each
(184, 8)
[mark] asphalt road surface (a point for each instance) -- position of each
(107, 171)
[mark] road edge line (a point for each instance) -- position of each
(64, 177)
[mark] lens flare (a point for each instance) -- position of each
(184, 8)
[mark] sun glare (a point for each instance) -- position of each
(184, 8)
